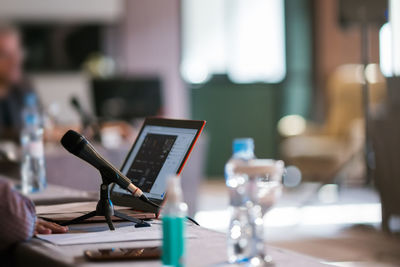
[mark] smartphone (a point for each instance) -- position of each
(113, 254)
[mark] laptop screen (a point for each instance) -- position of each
(158, 153)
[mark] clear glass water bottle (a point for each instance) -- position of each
(239, 235)
(33, 171)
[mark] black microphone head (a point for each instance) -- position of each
(73, 141)
(77, 144)
(75, 102)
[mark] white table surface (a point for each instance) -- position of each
(207, 249)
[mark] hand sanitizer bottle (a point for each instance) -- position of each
(173, 224)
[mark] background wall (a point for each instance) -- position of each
(335, 46)
(298, 87)
(236, 110)
(253, 110)
(146, 42)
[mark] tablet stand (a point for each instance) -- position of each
(105, 208)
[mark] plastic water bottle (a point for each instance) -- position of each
(240, 232)
(254, 186)
(33, 171)
(174, 225)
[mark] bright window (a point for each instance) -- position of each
(241, 38)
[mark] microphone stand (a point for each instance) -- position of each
(106, 208)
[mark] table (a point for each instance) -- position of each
(207, 249)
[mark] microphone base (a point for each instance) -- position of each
(105, 208)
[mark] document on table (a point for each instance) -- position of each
(128, 233)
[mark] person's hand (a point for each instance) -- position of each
(44, 228)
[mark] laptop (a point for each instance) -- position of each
(160, 151)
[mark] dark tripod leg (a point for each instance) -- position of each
(139, 223)
(80, 218)
(109, 222)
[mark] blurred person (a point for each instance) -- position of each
(13, 90)
(13, 87)
(18, 221)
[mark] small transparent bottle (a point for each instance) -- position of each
(240, 232)
(174, 225)
(33, 171)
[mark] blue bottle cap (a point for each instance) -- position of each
(243, 145)
(30, 99)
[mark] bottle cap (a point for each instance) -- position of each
(243, 145)
(30, 99)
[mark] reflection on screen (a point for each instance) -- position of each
(158, 153)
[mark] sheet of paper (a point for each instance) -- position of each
(128, 233)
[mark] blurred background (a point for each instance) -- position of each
(314, 83)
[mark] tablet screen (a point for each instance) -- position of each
(158, 153)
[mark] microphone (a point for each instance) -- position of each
(88, 121)
(78, 145)
(86, 118)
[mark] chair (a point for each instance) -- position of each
(321, 152)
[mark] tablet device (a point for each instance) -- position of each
(160, 150)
